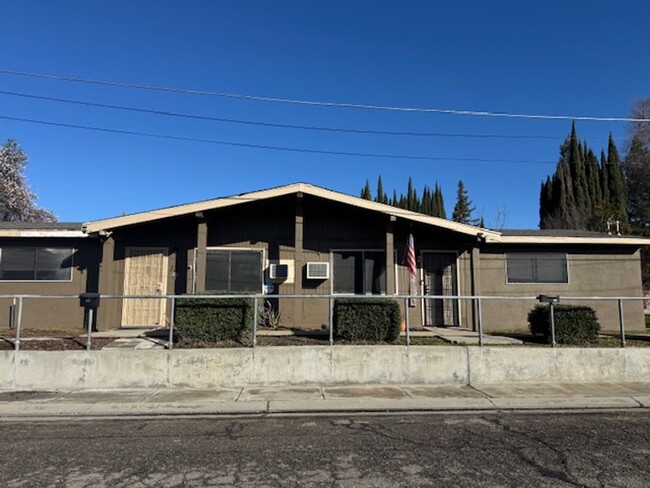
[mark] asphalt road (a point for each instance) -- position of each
(590, 449)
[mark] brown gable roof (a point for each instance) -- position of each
(305, 188)
(486, 235)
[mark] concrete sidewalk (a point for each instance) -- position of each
(317, 399)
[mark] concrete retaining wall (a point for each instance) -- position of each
(303, 365)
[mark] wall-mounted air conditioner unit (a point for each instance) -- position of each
(318, 271)
(278, 271)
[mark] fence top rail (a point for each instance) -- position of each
(325, 296)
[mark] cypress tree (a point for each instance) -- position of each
(616, 181)
(410, 195)
(381, 194)
(637, 165)
(604, 178)
(394, 202)
(563, 197)
(579, 209)
(425, 204)
(545, 203)
(440, 203)
(402, 202)
(593, 179)
(365, 192)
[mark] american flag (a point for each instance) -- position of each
(413, 272)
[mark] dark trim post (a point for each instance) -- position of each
(201, 251)
(107, 316)
(298, 259)
(476, 284)
(390, 257)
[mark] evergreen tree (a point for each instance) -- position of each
(604, 178)
(637, 172)
(402, 202)
(425, 204)
(381, 195)
(580, 191)
(439, 203)
(616, 180)
(545, 202)
(593, 181)
(431, 203)
(463, 208)
(365, 193)
(578, 186)
(410, 195)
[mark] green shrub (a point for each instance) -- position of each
(366, 319)
(574, 324)
(213, 319)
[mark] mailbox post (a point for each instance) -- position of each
(90, 302)
(551, 300)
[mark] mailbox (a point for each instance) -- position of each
(554, 299)
(89, 300)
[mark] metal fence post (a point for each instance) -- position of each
(90, 328)
(621, 321)
(255, 319)
(331, 320)
(407, 321)
(170, 342)
(19, 320)
(552, 324)
(480, 322)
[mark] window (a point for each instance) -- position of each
(543, 267)
(36, 264)
(359, 272)
(234, 270)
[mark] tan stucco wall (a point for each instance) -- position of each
(592, 272)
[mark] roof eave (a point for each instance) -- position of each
(144, 217)
(610, 241)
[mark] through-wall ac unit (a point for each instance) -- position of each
(318, 271)
(278, 271)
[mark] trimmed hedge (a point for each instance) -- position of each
(366, 319)
(574, 324)
(213, 319)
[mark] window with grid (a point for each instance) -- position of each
(233, 270)
(36, 264)
(543, 267)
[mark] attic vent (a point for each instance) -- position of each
(278, 271)
(318, 271)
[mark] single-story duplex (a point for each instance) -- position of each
(301, 239)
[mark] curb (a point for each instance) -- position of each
(25, 410)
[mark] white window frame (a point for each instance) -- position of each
(332, 251)
(69, 280)
(226, 248)
(533, 283)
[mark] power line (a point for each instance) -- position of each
(475, 113)
(272, 148)
(275, 125)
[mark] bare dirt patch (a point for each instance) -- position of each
(53, 343)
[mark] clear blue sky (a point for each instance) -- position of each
(552, 57)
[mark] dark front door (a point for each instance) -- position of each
(440, 279)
